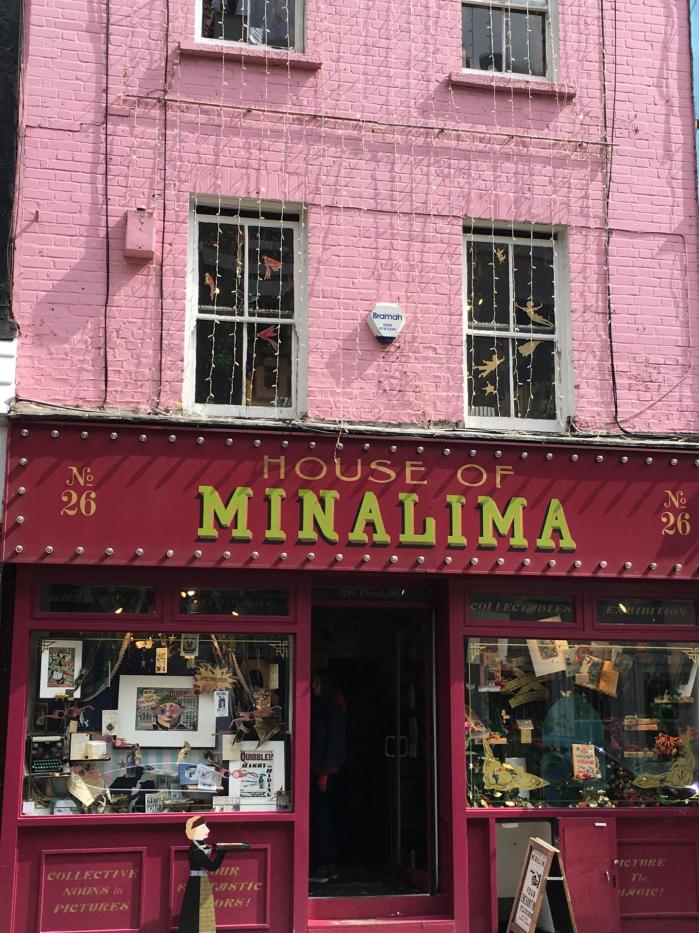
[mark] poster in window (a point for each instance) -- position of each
(257, 777)
(60, 667)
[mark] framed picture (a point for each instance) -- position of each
(60, 665)
(189, 646)
(165, 711)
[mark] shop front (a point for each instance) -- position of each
(494, 642)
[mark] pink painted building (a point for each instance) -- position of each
(309, 292)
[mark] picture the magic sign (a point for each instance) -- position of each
(153, 496)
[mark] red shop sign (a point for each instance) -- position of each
(97, 494)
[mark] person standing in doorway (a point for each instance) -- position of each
(328, 754)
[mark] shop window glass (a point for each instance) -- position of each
(495, 607)
(219, 601)
(567, 723)
(73, 597)
(623, 611)
(151, 723)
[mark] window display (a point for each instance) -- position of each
(566, 723)
(124, 722)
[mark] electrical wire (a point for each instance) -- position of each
(161, 335)
(107, 245)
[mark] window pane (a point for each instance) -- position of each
(259, 22)
(526, 41)
(482, 29)
(230, 602)
(488, 379)
(221, 259)
(535, 379)
(219, 376)
(491, 607)
(114, 743)
(625, 611)
(561, 723)
(534, 288)
(488, 283)
(269, 365)
(271, 271)
(69, 597)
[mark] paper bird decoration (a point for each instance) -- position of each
(271, 265)
(490, 389)
(501, 776)
(530, 310)
(487, 368)
(527, 349)
(183, 752)
(501, 255)
(213, 288)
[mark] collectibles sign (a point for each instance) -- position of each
(95, 494)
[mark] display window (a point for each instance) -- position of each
(576, 722)
(147, 722)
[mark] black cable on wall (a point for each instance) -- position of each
(10, 57)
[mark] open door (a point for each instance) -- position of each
(411, 750)
(384, 807)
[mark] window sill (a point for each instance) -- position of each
(493, 81)
(250, 55)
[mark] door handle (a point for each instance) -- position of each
(387, 753)
(611, 877)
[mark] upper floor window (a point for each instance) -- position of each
(272, 23)
(511, 36)
(244, 337)
(514, 376)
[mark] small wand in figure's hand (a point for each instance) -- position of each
(242, 846)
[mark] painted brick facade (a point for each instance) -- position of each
(389, 157)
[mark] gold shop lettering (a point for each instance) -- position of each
(675, 517)
(314, 517)
(80, 497)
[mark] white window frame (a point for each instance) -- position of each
(299, 31)
(520, 234)
(297, 323)
(550, 8)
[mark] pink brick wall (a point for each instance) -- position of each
(386, 199)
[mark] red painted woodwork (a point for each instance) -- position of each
(113, 491)
(588, 849)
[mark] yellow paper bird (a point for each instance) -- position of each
(490, 389)
(527, 349)
(183, 752)
(680, 773)
(500, 776)
(501, 255)
(530, 310)
(487, 368)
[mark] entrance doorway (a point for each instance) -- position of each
(383, 796)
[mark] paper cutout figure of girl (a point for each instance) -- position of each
(198, 914)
